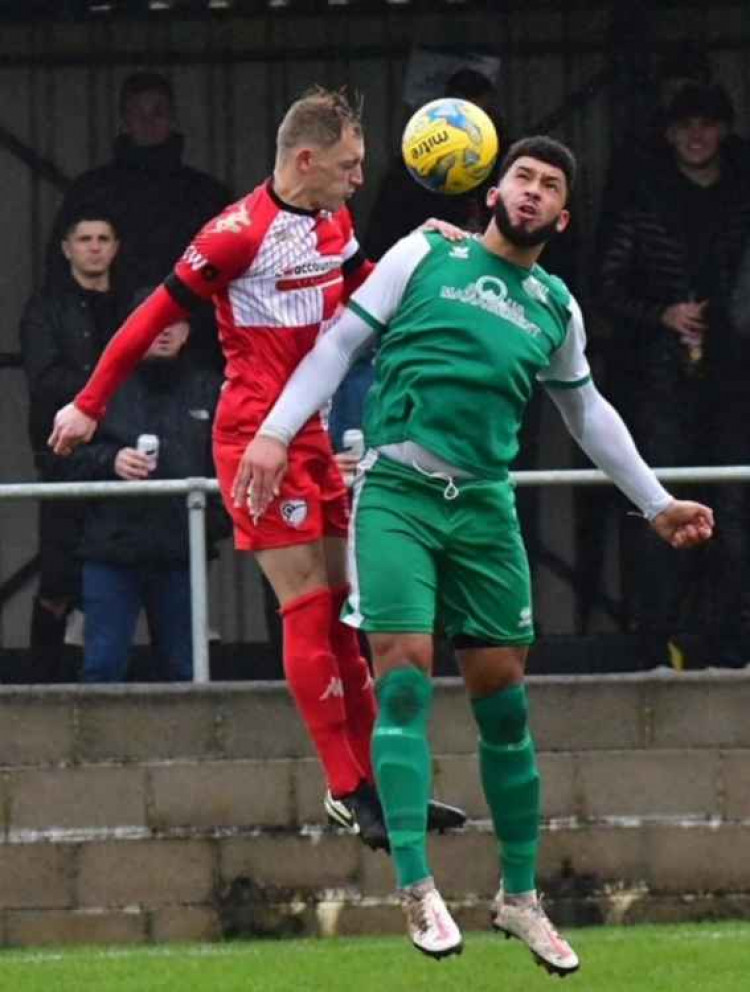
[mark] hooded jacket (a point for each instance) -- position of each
(156, 202)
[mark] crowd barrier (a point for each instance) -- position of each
(196, 491)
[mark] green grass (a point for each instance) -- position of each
(690, 958)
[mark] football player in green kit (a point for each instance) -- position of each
(465, 331)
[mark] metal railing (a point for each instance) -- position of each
(196, 490)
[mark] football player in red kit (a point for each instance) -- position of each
(278, 264)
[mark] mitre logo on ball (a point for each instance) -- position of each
(450, 145)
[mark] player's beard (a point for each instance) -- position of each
(516, 234)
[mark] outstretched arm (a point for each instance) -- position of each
(76, 422)
(314, 381)
(317, 377)
(600, 431)
(218, 252)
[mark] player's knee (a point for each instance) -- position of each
(404, 696)
(396, 650)
(503, 717)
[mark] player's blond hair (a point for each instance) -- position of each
(319, 117)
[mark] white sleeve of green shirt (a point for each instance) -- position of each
(600, 431)
(319, 374)
(378, 298)
(569, 366)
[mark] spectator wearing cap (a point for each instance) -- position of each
(156, 201)
(667, 270)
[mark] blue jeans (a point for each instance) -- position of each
(113, 596)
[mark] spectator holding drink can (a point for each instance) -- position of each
(135, 550)
(148, 445)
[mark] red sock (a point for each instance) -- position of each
(314, 680)
(359, 689)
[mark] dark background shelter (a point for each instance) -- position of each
(583, 70)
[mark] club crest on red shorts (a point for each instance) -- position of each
(294, 512)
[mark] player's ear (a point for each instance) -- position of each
(304, 157)
(492, 195)
(562, 221)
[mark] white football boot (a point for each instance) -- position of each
(431, 927)
(528, 922)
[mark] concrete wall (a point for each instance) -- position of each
(133, 814)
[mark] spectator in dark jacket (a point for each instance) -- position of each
(157, 202)
(667, 272)
(135, 550)
(64, 329)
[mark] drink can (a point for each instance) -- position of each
(353, 442)
(148, 445)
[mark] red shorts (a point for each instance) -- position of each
(313, 501)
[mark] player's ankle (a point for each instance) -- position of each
(521, 898)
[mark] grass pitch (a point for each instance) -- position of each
(690, 958)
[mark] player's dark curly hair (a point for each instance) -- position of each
(545, 149)
(319, 116)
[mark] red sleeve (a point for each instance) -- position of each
(219, 252)
(126, 349)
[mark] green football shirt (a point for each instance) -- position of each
(464, 337)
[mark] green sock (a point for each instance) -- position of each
(403, 767)
(510, 780)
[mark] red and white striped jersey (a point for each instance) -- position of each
(276, 275)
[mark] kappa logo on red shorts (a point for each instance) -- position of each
(294, 512)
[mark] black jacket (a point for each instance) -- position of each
(63, 330)
(402, 205)
(157, 202)
(645, 266)
(175, 401)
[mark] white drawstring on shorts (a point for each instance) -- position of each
(451, 490)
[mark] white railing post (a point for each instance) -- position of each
(196, 504)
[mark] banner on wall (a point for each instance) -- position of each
(429, 69)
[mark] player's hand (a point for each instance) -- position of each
(259, 475)
(449, 231)
(72, 427)
(131, 465)
(684, 524)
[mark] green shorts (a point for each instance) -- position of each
(417, 556)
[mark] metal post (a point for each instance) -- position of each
(196, 503)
